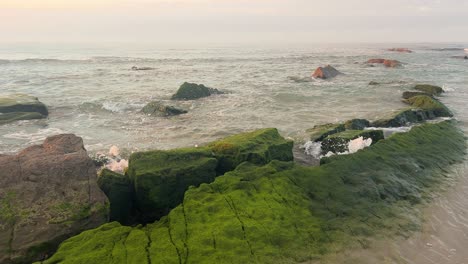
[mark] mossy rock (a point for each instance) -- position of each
(192, 91)
(161, 178)
(21, 107)
(403, 118)
(429, 104)
(338, 143)
(159, 109)
(285, 213)
(356, 124)
(120, 192)
(320, 132)
(409, 94)
(258, 147)
(429, 89)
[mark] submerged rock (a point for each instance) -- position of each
(159, 109)
(402, 50)
(339, 143)
(326, 72)
(429, 89)
(374, 83)
(135, 68)
(409, 94)
(385, 62)
(192, 91)
(21, 107)
(300, 79)
(320, 132)
(282, 212)
(48, 193)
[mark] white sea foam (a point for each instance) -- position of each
(313, 149)
(359, 143)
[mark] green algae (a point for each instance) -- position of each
(120, 192)
(258, 147)
(356, 124)
(320, 132)
(429, 89)
(284, 213)
(429, 104)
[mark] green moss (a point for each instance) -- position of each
(258, 147)
(356, 124)
(429, 104)
(429, 89)
(338, 143)
(409, 94)
(160, 178)
(320, 132)
(284, 213)
(405, 117)
(120, 192)
(191, 91)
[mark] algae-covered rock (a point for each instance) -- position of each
(429, 89)
(21, 107)
(120, 192)
(159, 109)
(409, 94)
(430, 105)
(320, 132)
(283, 213)
(258, 147)
(356, 124)
(192, 91)
(403, 118)
(338, 143)
(48, 193)
(161, 178)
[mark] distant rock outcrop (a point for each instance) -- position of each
(135, 68)
(326, 72)
(48, 193)
(192, 91)
(21, 107)
(385, 62)
(402, 50)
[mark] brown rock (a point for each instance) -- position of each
(403, 50)
(326, 72)
(48, 193)
(387, 63)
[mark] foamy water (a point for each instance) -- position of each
(92, 92)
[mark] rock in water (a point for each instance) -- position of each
(409, 94)
(192, 91)
(135, 68)
(21, 107)
(430, 105)
(48, 193)
(320, 132)
(429, 89)
(326, 72)
(402, 50)
(385, 62)
(339, 143)
(159, 109)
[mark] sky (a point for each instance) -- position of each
(233, 21)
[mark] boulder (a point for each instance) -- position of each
(21, 107)
(356, 124)
(192, 91)
(385, 62)
(430, 105)
(48, 193)
(338, 143)
(320, 132)
(402, 50)
(258, 147)
(161, 178)
(409, 94)
(429, 89)
(119, 190)
(159, 109)
(326, 72)
(403, 118)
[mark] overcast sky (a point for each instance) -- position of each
(233, 21)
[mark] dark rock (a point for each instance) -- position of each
(21, 107)
(356, 124)
(326, 72)
(320, 132)
(429, 89)
(338, 143)
(374, 83)
(119, 190)
(409, 94)
(48, 193)
(430, 105)
(159, 109)
(402, 50)
(192, 91)
(135, 68)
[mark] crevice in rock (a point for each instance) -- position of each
(148, 245)
(186, 234)
(234, 209)
(172, 241)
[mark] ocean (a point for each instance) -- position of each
(92, 91)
